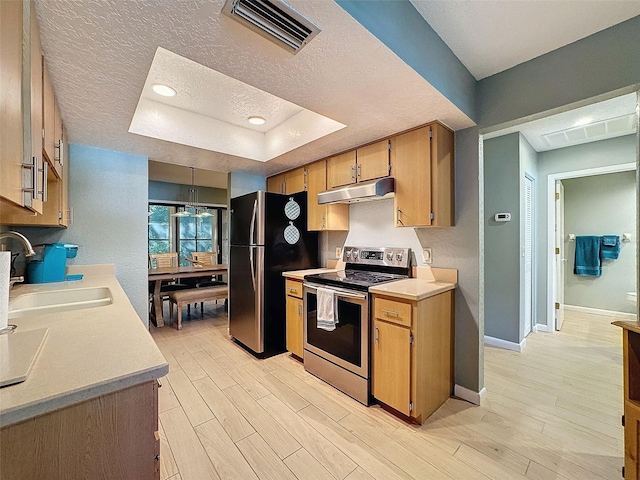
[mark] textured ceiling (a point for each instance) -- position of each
(99, 53)
(608, 109)
(210, 110)
(489, 36)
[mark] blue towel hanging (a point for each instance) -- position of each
(587, 258)
(610, 247)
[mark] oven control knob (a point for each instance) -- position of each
(354, 254)
(399, 256)
(390, 256)
(347, 254)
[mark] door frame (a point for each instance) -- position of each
(551, 219)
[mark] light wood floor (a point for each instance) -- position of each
(552, 412)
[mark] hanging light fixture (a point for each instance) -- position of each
(192, 204)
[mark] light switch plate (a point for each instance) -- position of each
(426, 253)
(338, 252)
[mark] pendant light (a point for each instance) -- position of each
(192, 204)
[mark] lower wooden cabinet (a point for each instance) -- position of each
(412, 353)
(632, 440)
(392, 365)
(114, 436)
(295, 312)
(631, 369)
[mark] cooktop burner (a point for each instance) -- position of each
(367, 266)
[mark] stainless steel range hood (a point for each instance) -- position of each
(359, 192)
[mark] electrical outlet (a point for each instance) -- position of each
(426, 253)
(338, 252)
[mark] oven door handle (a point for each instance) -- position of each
(340, 293)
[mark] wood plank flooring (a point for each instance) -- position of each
(552, 412)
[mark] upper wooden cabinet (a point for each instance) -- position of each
(372, 161)
(11, 118)
(323, 217)
(49, 108)
(422, 165)
(420, 160)
(295, 180)
(341, 169)
(23, 181)
(275, 184)
(365, 163)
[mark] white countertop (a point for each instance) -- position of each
(412, 288)
(299, 274)
(87, 353)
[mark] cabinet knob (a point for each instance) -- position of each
(375, 335)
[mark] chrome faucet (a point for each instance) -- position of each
(28, 249)
(28, 252)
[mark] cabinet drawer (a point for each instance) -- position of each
(392, 311)
(293, 288)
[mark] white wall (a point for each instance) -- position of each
(601, 205)
(371, 224)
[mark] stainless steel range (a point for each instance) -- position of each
(339, 353)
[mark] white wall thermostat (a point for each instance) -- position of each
(502, 217)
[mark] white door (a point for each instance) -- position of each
(528, 255)
(559, 257)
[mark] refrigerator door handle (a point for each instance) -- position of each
(253, 268)
(252, 228)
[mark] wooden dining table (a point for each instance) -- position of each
(157, 275)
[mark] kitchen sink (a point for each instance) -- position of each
(59, 301)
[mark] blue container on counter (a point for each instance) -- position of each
(50, 262)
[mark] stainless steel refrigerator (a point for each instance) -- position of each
(268, 236)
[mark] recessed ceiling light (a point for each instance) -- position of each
(254, 120)
(164, 90)
(583, 121)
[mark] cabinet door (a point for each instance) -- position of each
(11, 133)
(316, 183)
(64, 172)
(36, 108)
(411, 167)
(323, 217)
(391, 370)
(341, 170)
(632, 440)
(294, 181)
(48, 116)
(294, 325)
(373, 161)
(275, 184)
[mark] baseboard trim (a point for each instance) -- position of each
(597, 311)
(469, 395)
(541, 327)
(504, 344)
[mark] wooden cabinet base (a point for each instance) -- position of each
(110, 437)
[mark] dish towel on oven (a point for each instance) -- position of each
(327, 317)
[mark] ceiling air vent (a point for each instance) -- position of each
(274, 20)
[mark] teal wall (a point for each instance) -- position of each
(615, 151)
(399, 26)
(502, 239)
(108, 194)
(174, 192)
(601, 205)
(241, 183)
(598, 64)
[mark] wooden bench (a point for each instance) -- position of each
(194, 295)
